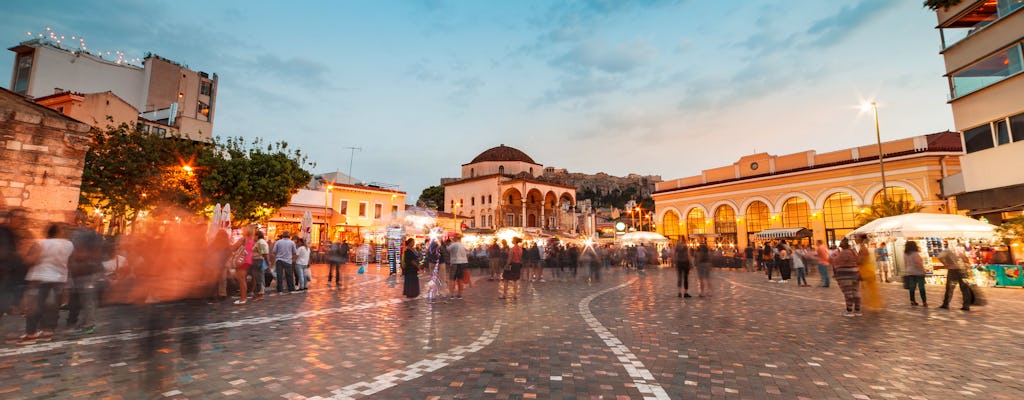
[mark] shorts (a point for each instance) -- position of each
(513, 272)
(458, 272)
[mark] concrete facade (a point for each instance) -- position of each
(156, 90)
(43, 154)
(983, 48)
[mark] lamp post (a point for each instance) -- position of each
(455, 215)
(873, 106)
(327, 207)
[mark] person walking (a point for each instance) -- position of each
(799, 264)
(494, 261)
(85, 268)
(683, 265)
(513, 270)
(871, 293)
(284, 258)
(460, 264)
(703, 259)
(823, 262)
(915, 272)
(260, 264)
(338, 257)
(847, 275)
(641, 257)
(12, 263)
(769, 258)
(244, 248)
(954, 262)
(784, 261)
(882, 259)
(410, 270)
(302, 264)
(46, 278)
(590, 258)
(748, 258)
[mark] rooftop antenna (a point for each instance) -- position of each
(351, 156)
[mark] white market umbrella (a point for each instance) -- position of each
(225, 218)
(917, 225)
(642, 236)
(215, 224)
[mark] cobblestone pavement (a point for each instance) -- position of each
(625, 337)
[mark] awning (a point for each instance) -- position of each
(783, 233)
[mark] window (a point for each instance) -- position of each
(725, 223)
(1005, 7)
(206, 88)
(472, 172)
(977, 139)
(489, 199)
(394, 211)
(1017, 127)
(501, 169)
(990, 70)
(1002, 133)
(22, 73)
(531, 171)
(378, 211)
(895, 193)
(510, 219)
(757, 217)
(840, 215)
(472, 201)
(670, 224)
(362, 208)
(796, 213)
(695, 222)
(343, 207)
(490, 220)
(202, 108)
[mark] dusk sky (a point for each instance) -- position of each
(651, 87)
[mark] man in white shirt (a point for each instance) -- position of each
(284, 255)
(460, 262)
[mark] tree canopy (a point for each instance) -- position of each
(433, 197)
(934, 5)
(888, 207)
(128, 171)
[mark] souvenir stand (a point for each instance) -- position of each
(933, 233)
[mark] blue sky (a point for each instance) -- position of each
(663, 87)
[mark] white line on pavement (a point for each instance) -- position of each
(415, 370)
(642, 378)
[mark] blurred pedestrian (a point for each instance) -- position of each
(823, 262)
(871, 292)
(954, 261)
(748, 258)
(915, 272)
(847, 274)
(799, 265)
(460, 265)
(85, 268)
(410, 270)
(513, 270)
(784, 261)
(260, 265)
(12, 263)
(218, 255)
(46, 279)
(302, 264)
(703, 258)
(242, 259)
(768, 255)
(683, 264)
(590, 258)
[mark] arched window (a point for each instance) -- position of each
(695, 224)
(725, 224)
(531, 171)
(501, 169)
(840, 217)
(671, 225)
(489, 199)
(895, 193)
(796, 213)
(757, 217)
(482, 198)
(472, 201)
(472, 172)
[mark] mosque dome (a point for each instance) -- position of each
(503, 153)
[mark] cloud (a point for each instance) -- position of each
(832, 29)
(301, 71)
(466, 88)
(595, 55)
(579, 86)
(422, 71)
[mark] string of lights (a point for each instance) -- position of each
(60, 41)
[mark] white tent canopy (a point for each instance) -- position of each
(949, 226)
(642, 236)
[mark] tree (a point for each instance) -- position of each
(934, 5)
(888, 208)
(433, 197)
(128, 171)
(256, 182)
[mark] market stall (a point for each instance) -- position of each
(934, 233)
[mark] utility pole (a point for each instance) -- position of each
(351, 156)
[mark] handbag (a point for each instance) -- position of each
(239, 257)
(362, 270)
(906, 281)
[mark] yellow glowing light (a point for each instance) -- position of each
(187, 168)
(867, 106)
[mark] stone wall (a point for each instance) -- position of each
(42, 153)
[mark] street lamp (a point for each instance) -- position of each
(455, 215)
(327, 207)
(873, 106)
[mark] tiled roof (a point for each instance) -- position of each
(503, 153)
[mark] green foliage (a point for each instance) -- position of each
(934, 5)
(1012, 229)
(615, 198)
(432, 197)
(256, 179)
(888, 207)
(127, 171)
